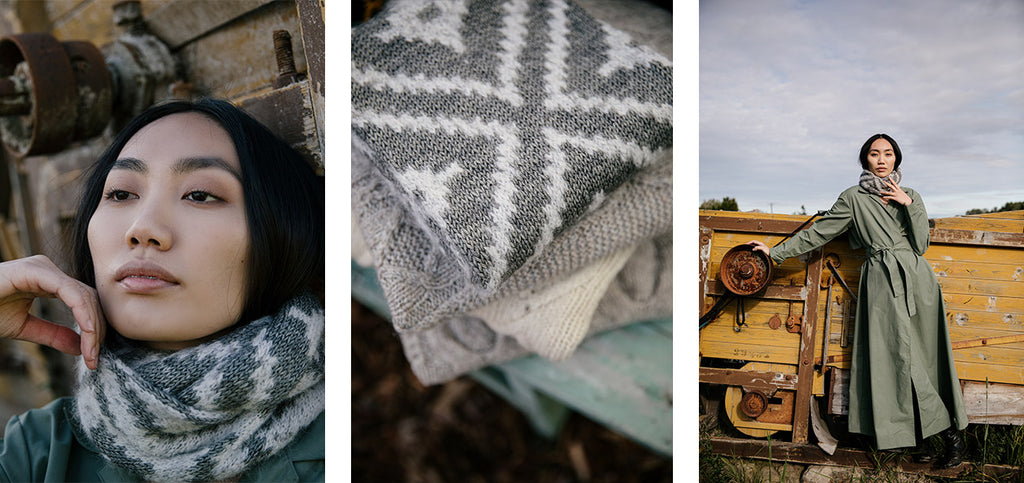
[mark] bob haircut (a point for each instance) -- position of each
(284, 207)
(867, 147)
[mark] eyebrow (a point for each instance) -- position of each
(181, 166)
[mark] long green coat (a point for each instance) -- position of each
(901, 346)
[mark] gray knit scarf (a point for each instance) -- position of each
(876, 185)
(211, 411)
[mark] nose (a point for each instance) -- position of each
(150, 228)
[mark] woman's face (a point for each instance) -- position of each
(169, 238)
(881, 158)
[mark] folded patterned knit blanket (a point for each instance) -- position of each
(635, 220)
(641, 290)
(572, 137)
(498, 124)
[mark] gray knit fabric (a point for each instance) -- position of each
(423, 287)
(500, 123)
(210, 411)
(875, 185)
(641, 291)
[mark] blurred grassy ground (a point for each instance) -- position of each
(459, 431)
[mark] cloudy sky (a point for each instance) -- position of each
(789, 90)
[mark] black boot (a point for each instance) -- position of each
(923, 452)
(954, 449)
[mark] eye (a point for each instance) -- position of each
(200, 197)
(118, 195)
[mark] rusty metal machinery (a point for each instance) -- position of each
(53, 93)
(744, 271)
(760, 412)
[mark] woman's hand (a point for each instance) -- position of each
(760, 247)
(896, 194)
(22, 280)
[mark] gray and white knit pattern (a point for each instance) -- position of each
(423, 288)
(210, 411)
(876, 185)
(502, 122)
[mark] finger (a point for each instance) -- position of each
(48, 280)
(47, 333)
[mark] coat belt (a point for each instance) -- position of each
(899, 280)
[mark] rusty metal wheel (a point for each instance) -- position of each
(756, 414)
(744, 271)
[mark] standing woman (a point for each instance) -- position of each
(197, 285)
(903, 387)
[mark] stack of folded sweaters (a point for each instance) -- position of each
(511, 174)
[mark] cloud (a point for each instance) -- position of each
(790, 89)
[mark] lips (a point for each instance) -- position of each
(144, 277)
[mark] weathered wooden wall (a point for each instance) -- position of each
(225, 49)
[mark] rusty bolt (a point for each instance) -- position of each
(127, 13)
(753, 404)
(285, 62)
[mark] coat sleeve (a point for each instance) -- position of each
(917, 217)
(836, 221)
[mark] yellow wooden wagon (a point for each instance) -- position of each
(784, 358)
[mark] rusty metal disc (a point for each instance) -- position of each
(94, 88)
(45, 66)
(753, 404)
(744, 271)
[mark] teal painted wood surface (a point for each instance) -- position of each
(620, 378)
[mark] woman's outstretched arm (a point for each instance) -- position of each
(25, 279)
(829, 226)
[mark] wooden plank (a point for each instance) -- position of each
(988, 341)
(750, 225)
(776, 292)
(976, 328)
(977, 270)
(703, 264)
(766, 381)
(1005, 374)
(311, 22)
(999, 356)
(1000, 215)
(288, 113)
(801, 412)
(180, 21)
(967, 286)
(986, 254)
(91, 20)
(983, 303)
(1003, 223)
(238, 58)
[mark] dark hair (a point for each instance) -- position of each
(867, 147)
(284, 207)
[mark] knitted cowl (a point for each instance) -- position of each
(211, 411)
(876, 185)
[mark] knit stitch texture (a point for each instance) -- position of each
(210, 411)
(876, 185)
(500, 123)
(642, 290)
(423, 287)
(552, 321)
